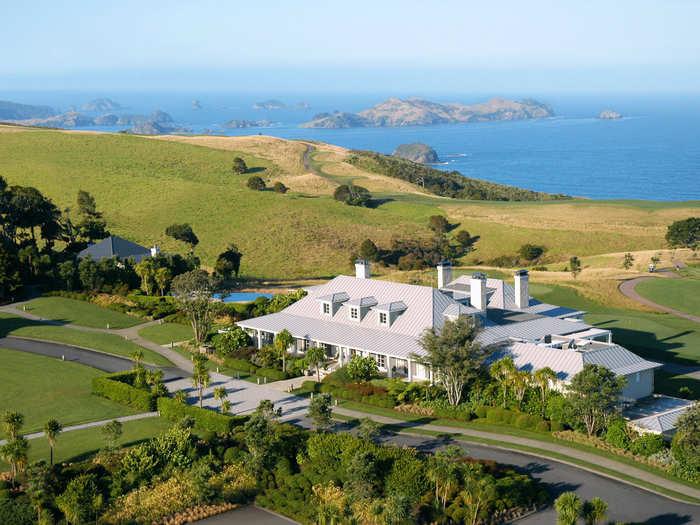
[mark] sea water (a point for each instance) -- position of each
(652, 153)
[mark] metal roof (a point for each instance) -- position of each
(363, 302)
(393, 306)
(337, 297)
(115, 246)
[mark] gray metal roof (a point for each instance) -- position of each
(394, 306)
(337, 297)
(660, 423)
(115, 246)
(363, 302)
(532, 330)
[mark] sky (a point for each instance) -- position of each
(325, 45)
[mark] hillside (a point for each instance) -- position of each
(144, 184)
(420, 112)
(14, 111)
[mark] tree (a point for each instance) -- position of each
(397, 510)
(361, 476)
(628, 261)
(352, 195)
(66, 271)
(239, 166)
(39, 488)
(12, 422)
(81, 500)
(229, 262)
(162, 277)
(184, 233)
(146, 270)
(320, 411)
(684, 233)
(454, 353)
(594, 511)
(91, 226)
(52, 428)
(111, 432)
(278, 187)
(521, 381)
(228, 342)
(479, 489)
(194, 290)
(266, 409)
(574, 266)
(362, 368)
(438, 223)
(15, 453)
(686, 442)
(442, 471)
(260, 440)
(137, 357)
(530, 252)
(369, 430)
(316, 356)
(200, 375)
(544, 378)
(504, 371)
(593, 394)
(283, 341)
(256, 183)
(180, 396)
(465, 239)
(568, 507)
(89, 274)
(369, 250)
(220, 394)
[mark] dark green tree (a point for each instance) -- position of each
(684, 233)
(81, 501)
(369, 250)
(465, 239)
(278, 187)
(194, 290)
(530, 252)
(256, 183)
(686, 442)
(320, 411)
(184, 233)
(90, 226)
(439, 224)
(628, 261)
(574, 266)
(239, 166)
(352, 195)
(229, 262)
(593, 394)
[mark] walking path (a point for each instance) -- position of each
(549, 447)
(307, 164)
(94, 424)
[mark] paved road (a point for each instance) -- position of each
(247, 515)
(628, 288)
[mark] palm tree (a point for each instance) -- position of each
(225, 406)
(594, 511)
(180, 396)
(316, 355)
(52, 429)
(136, 356)
(478, 490)
(15, 453)
(503, 371)
(521, 380)
(162, 277)
(568, 507)
(146, 271)
(283, 341)
(544, 378)
(12, 421)
(200, 375)
(220, 395)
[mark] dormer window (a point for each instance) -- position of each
(354, 313)
(388, 312)
(326, 309)
(383, 318)
(332, 302)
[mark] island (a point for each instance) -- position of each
(395, 112)
(609, 114)
(196, 106)
(417, 152)
(269, 104)
(110, 119)
(240, 124)
(101, 104)
(152, 127)
(14, 111)
(70, 119)
(158, 116)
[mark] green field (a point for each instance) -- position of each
(42, 388)
(12, 325)
(79, 445)
(166, 333)
(679, 294)
(80, 313)
(142, 185)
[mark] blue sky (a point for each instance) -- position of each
(561, 45)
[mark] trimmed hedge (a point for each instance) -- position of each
(118, 389)
(354, 395)
(204, 419)
(311, 386)
(250, 368)
(453, 413)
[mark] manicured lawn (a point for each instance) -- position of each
(679, 294)
(81, 444)
(42, 388)
(80, 313)
(655, 336)
(109, 343)
(166, 333)
(669, 384)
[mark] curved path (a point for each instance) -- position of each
(628, 289)
(307, 164)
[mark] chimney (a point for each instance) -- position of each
(478, 291)
(155, 250)
(444, 274)
(362, 269)
(522, 289)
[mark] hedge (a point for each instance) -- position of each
(452, 413)
(250, 368)
(204, 419)
(351, 395)
(311, 386)
(117, 389)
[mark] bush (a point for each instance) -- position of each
(524, 421)
(273, 374)
(241, 364)
(256, 183)
(617, 434)
(556, 426)
(648, 444)
(311, 386)
(204, 419)
(480, 411)
(461, 414)
(543, 426)
(116, 388)
(280, 188)
(233, 455)
(239, 166)
(530, 251)
(352, 195)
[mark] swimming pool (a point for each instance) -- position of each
(241, 297)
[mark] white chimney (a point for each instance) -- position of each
(444, 274)
(522, 289)
(478, 291)
(362, 269)
(155, 250)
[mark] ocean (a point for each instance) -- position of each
(653, 153)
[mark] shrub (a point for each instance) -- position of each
(239, 166)
(362, 368)
(438, 223)
(543, 426)
(556, 426)
(240, 364)
(278, 187)
(232, 455)
(204, 419)
(311, 386)
(648, 444)
(273, 373)
(617, 434)
(461, 414)
(480, 411)
(530, 251)
(494, 414)
(352, 195)
(256, 183)
(523, 421)
(120, 391)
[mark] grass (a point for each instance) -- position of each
(80, 313)
(679, 294)
(669, 384)
(80, 445)
(212, 366)
(193, 183)
(42, 388)
(166, 333)
(12, 325)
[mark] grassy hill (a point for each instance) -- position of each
(145, 184)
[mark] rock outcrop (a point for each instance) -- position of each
(269, 104)
(101, 104)
(417, 152)
(239, 124)
(609, 114)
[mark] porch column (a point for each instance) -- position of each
(609, 337)
(410, 370)
(259, 338)
(388, 367)
(432, 379)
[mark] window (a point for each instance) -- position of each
(354, 314)
(381, 361)
(326, 308)
(638, 377)
(382, 317)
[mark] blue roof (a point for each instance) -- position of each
(115, 246)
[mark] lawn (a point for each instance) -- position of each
(43, 387)
(679, 294)
(166, 333)
(12, 325)
(80, 313)
(79, 445)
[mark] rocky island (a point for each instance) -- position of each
(240, 124)
(269, 104)
(70, 119)
(396, 112)
(158, 116)
(417, 152)
(609, 114)
(101, 104)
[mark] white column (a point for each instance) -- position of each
(260, 339)
(410, 370)
(432, 379)
(388, 367)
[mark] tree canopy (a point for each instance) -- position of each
(229, 262)
(194, 290)
(593, 394)
(239, 166)
(184, 233)
(684, 233)
(352, 195)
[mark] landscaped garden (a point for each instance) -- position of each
(80, 313)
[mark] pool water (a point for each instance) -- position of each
(241, 297)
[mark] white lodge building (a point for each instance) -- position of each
(385, 320)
